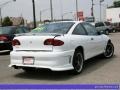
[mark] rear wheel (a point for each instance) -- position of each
(109, 51)
(114, 31)
(78, 62)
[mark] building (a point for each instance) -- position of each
(18, 21)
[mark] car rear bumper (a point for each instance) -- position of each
(55, 61)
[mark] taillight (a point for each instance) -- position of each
(15, 42)
(3, 38)
(53, 42)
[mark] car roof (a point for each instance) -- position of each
(73, 21)
(13, 26)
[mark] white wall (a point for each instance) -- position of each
(113, 14)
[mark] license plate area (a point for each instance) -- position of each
(28, 60)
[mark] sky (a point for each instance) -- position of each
(60, 7)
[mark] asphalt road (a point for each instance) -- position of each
(97, 70)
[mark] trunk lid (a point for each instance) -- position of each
(34, 42)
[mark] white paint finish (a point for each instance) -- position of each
(57, 58)
(114, 14)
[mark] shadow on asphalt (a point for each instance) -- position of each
(4, 54)
(90, 66)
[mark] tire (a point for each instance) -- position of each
(114, 31)
(78, 61)
(109, 51)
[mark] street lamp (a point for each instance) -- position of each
(100, 9)
(34, 15)
(51, 10)
(76, 9)
(2, 5)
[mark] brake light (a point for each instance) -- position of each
(15, 42)
(53, 42)
(3, 38)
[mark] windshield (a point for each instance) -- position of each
(6, 30)
(62, 28)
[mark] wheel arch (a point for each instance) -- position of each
(109, 41)
(81, 49)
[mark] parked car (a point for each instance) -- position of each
(117, 27)
(59, 46)
(104, 27)
(7, 34)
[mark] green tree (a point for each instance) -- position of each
(7, 22)
(116, 3)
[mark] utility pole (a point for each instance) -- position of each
(100, 9)
(40, 16)
(51, 10)
(92, 11)
(34, 15)
(0, 17)
(77, 10)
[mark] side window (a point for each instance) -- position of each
(79, 30)
(91, 30)
(13, 31)
(99, 24)
(26, 30)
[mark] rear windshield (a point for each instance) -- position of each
(62, 28)
(6, 30)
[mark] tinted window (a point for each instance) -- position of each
(26, 30)
(7, 30)
(19, 30)
(22, 30)
(99, 24)
(91, 30)
(79, 30)
(62, 27)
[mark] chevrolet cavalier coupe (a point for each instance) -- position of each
(59, 46)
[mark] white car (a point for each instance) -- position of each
(59, 46)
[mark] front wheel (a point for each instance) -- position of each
(109, 51)
(78, 62)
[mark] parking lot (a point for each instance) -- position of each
(96, 70)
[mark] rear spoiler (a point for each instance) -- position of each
(39, 34)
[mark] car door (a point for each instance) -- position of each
(100, 26)
(96, 41)
(79, 37)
